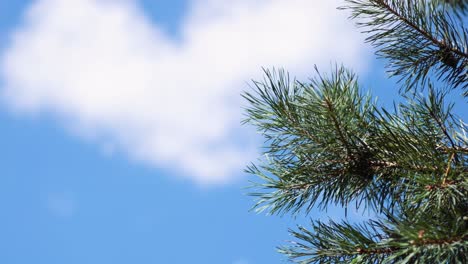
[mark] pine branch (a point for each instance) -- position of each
(440, 43)
(366, 156)
(326, 143)
(299, 153)
(416, 38)
(399, 240)
(458, 6)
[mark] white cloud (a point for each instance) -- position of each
(116, 78)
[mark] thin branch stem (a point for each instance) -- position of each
(447, 171)
(337, 125)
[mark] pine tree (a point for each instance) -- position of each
(328, 143)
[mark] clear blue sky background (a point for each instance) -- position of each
(122, 213)
(63, 202)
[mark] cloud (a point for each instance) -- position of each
(115, 77)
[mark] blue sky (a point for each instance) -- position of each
(120, 121)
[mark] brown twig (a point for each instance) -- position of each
(447, 171)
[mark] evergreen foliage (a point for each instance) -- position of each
(327, 143)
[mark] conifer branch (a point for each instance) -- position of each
(441, 44)
(326, 143)
(374, 242)
(416, 37)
